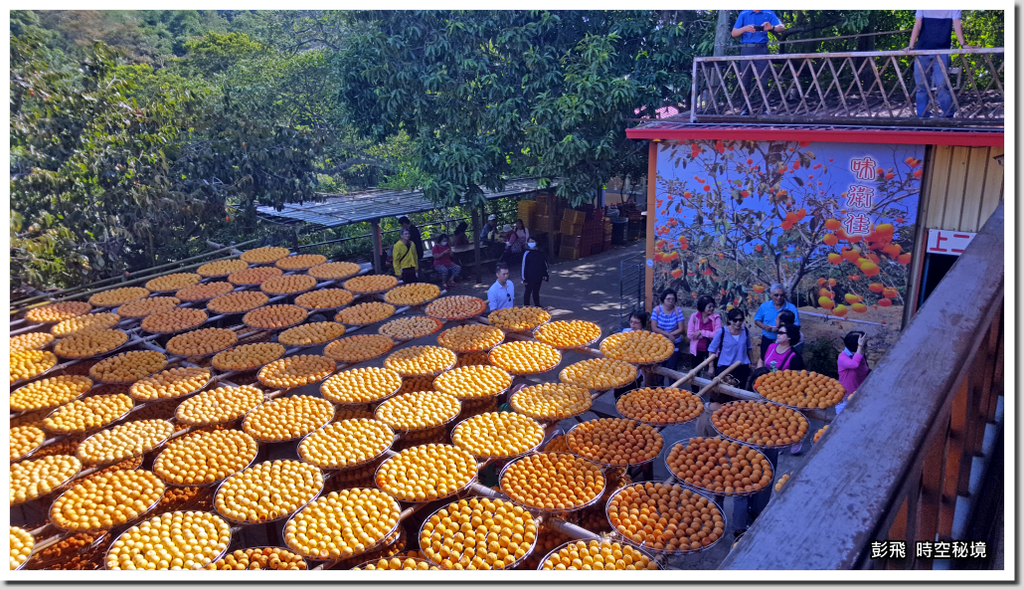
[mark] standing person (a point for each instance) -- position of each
(534, 270)
(460, 238)
(932, 30)
(669, 321)
(413, 232)
(509, 237)
(733, 343)
(443, 264)
(752, 27)
(702, 327)
(853, 366)
(406, 258)
(522, 232)
(502, 293)
(781, 354)
(767, 313)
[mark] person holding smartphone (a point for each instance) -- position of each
(752, 27)
(852, 364)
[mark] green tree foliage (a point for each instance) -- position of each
(121, 166)
(487, 95)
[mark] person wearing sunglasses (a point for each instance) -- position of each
(781, 354)
(732, 343)
(767, 313)
(503, 291)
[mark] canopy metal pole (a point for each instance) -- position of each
(375, 232)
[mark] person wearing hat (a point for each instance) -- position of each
(406, 258)
(511, 241)
(487, 235)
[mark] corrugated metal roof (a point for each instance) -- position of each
(372, 204)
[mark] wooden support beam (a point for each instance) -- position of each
(687, 377)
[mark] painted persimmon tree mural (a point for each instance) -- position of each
(832, 222)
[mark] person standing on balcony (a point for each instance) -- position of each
(752, 28)
(932, 30)
(766, 316)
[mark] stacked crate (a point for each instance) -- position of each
(573, 246)
(636, 226)
(543, 214)
(526, 209)
(593, 237)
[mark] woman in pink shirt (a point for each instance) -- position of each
(853, 366)
(702, 327)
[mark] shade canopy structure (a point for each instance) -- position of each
(357, 207)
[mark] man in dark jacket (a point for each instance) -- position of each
(535, 269)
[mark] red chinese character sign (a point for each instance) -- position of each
(833, 222)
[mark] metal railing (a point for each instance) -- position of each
(632, 279)
(960, 87)
(895, 466)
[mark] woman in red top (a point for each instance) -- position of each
(702, 327)
(443, 264)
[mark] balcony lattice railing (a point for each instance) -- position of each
(852, 88)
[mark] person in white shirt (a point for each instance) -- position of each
(502, 293)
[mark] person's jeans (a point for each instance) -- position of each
(747, 68)
(928, 71)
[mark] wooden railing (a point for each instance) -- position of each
(893, 463)
(860, 88)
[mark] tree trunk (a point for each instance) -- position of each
(475, 214)
(722, 33)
